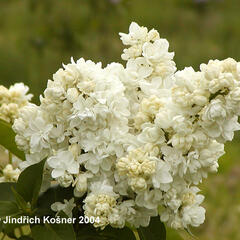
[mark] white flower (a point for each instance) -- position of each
(164, 118)
(217, 122)
(181, 142)
(157, 51)
(72, 95)
(193, 215)
(39, 131)
(136, 34)
(162, 175)
(12, 100)
(139, 68)
(181, 125)
(220, 74)
(214, 111)
(66, 207)
(229, 127)
(65, 180)
(190, 88)
(175, 159)
(81, 184)
(18, 93)
(149, 199)
(151, 134)
(140, 165)
(100, 203)
(63, 163)
(34, 128)
(10, 174)
(232, 101)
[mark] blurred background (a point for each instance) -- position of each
(37, 36)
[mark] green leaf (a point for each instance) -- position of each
(30, 181)
(64, 231)
(117, 234)
(155, 231)
(19, 199)
(25, 238)
(52, 195)
(7, 139)
(8, 208)
(42, 233)
(54, 231)
(6, 191)
(88, 232)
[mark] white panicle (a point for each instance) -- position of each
(137, 138)
(12, 100)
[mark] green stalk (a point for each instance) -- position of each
(10, 157)
(3, 236)
(136, 234)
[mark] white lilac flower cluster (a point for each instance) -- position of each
(12, 100)
(9, 166)
(9, 174)
(134, 141)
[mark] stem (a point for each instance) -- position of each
(136, 234)
(10, 157)
(3, 236)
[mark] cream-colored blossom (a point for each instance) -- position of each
(133, 140)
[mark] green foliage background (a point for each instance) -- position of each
(37, 36)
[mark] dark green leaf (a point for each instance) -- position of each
(88, 232)
(42, 233)
(7, 139)
(117, 234)
(64, 231)
(19, 199)
(155, 231)
(25, 238)
(8, 208)
(6, 191)
(30, 181)
(53, 194)
(54, 231)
